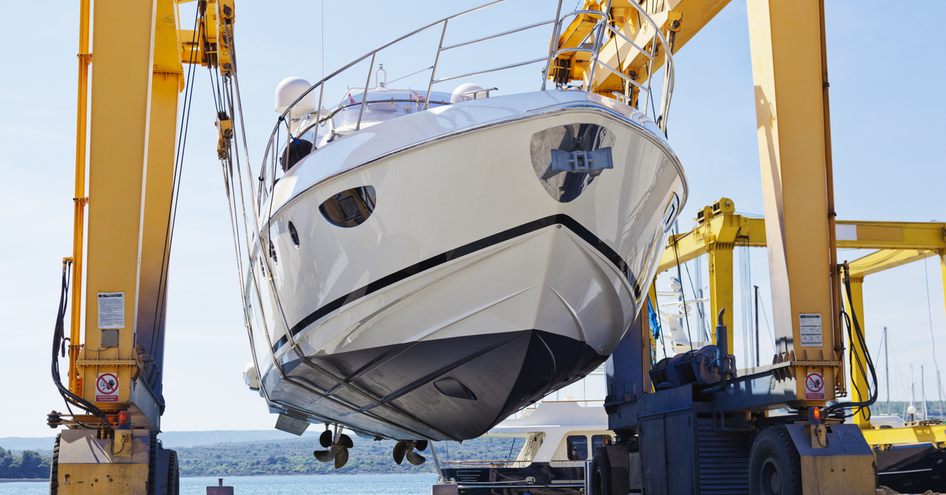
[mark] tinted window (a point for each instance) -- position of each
(350, 207)
(577, 446)
(598, 441)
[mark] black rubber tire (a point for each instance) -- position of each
(774, 465)
(600, 473)
(174, 474)
(54, 469)
(152, 464)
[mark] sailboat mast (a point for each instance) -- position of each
(939, 388)
(912, 391)
(923, 390)
(887, 367)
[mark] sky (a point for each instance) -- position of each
(889, 148)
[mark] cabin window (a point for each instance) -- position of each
(350, 207)
(567, 158)
(598, 441)
(577, 446)
(294, 234)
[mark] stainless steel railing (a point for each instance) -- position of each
(603, 32)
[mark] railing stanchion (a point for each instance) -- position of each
(553, 43)
(433, 70)
(598, 42)
(364, 94)
(318, 116)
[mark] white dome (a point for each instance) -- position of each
(250, 377)
(288, 90)
(911, 411)
(465, 92)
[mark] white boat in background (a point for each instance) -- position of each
(432, 262)
(556, 438)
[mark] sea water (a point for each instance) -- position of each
(339, 484)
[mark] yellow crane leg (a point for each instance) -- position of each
(860, 390)
(79, 198)
(789, 71)
(720, 256)
(942, 266)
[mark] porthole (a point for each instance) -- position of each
(567, 158)
(294, 234)
(670, 214)
(272, 252)
(350, 207)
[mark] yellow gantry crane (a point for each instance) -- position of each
(128, 157)
(125, 178)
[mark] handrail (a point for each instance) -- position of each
(635, 92)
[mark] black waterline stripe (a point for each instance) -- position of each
(393, 278)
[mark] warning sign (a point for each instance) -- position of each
(106, 387)
(810, 329)
(814, 386)
(111, 310)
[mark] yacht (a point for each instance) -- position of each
(426, 262)
(556, 438)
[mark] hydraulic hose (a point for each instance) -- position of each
(58, 344)
(854, 328)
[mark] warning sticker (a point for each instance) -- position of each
(814, 386)
(106, 387)
(810, 329)
(111, 310)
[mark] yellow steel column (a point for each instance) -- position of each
(859, 391)
(166, 82)
(942, 266)
(720, 257)
(79, 199)
(120, 108)
(790, 77)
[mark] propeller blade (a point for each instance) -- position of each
(415, 458)
(325, 439)
(420, 445)
(401, 448)
(341, 459)
(324, 455)
(345, 441)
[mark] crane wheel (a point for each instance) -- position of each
(609, 471)
(174, 474)
(54, 469)
(774, 466)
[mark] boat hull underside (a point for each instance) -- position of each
(454, 388)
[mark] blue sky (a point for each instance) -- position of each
(888, 130)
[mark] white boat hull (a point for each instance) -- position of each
(470, 290)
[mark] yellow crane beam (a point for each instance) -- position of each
(678, 20)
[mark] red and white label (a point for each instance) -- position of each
(106, 387)
(814, 386)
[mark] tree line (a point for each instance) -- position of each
(28, 464)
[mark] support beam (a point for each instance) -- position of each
(886, 259)
(942, 266)
(859, 390)
(790, 75)
(122, 44)
(721, 288)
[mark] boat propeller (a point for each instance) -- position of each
(407, 449)
(336, 446)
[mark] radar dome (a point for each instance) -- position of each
(465, 92)
(288, 90)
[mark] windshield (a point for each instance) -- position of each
(383, 104)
